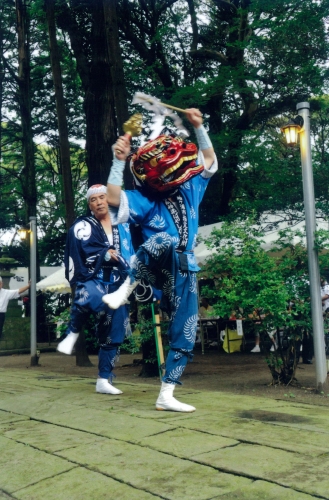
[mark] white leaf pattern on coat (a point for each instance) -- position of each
(83, 295)
(157, 222)
(176, 373)
(190, 327)
(193, 283)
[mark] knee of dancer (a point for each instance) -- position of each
(108, 347)
(181, 353)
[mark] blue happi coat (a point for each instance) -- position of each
(87, 245)
(155, 216)
(166, 258)
(93, 276)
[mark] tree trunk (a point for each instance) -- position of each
(81, 355)
(96, 71)
(64, 144)
(24, 97)
(115, 62)
(101, 130)
(150, 367)
(117, 73)
(2, 76)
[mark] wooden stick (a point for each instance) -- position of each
(158, 341)
(165, 105)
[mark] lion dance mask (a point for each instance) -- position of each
(165, 163)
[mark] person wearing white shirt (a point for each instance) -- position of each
(5, 297)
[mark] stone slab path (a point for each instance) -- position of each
(59, 440)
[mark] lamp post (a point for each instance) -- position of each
(33, 291)
(302, 128)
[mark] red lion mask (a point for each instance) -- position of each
(165, 162)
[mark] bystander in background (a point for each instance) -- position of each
(5, 297)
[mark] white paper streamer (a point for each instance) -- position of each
(161, 112)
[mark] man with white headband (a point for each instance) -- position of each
(5, 297)
(171, 175)
(96, 262)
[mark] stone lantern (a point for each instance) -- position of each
(6, 264)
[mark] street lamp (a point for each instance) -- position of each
(300, 126)
(292, 129)
(32, 230)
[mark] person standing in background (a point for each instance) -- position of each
(5, 297)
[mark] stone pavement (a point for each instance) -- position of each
(61, 440)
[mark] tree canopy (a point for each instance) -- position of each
(244, 63)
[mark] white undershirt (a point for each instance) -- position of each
(5, 297)
(110, 238)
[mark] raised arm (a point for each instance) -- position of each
(194, 116)
(121, 151)
(24, 288)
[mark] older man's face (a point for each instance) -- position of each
(98, 205)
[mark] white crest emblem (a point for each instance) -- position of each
(71, 268)
(82, 230)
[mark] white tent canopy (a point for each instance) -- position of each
(56, 283)
(202, 251)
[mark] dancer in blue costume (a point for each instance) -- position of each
(171, 177)
(96, 263)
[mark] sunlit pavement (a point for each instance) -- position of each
(61, 440)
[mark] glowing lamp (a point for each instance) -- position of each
(292, 129)
(23, 232)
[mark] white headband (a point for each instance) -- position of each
(96, 189)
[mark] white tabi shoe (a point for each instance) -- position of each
(255, 349)
(104, 387)
(119, 297)
(66, 346)
(166, 400)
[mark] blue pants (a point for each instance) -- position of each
(111, 325)
(157, 262)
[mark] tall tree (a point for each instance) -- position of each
(64, 144)
(2, 71)
(85, 25)
(24, 97)
(117, 71)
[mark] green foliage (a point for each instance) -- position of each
(143, 330)
(14, 198)
(143, 340)
(246, 65)
(269, 287)
(245, 276)
(51, 213)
